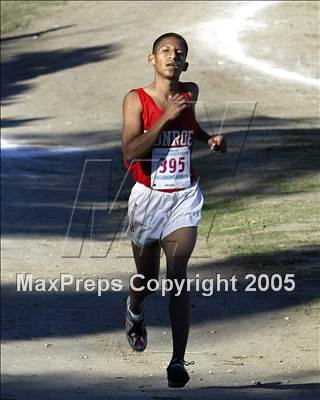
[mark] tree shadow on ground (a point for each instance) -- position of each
(89, 386)
(39, 190)
(13, 122)
(27, 315)
(17, 70)
(34, 34)
(39, 185)
(269, 153)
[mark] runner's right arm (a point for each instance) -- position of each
(136, 144)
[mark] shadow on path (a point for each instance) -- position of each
(26, 66)
(39, 185)
(13, 122)
(97, 387)
(33, 34)
(36, 314)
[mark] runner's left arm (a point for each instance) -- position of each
(217, 143)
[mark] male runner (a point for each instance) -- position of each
(164, 207)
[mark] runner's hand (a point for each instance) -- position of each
(217, 143)
(176, 104)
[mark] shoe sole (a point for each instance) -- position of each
(139, 350)
(181, 381)
(177, 384)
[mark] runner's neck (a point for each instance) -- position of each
(164, 88)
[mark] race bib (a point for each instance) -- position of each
(170, 168)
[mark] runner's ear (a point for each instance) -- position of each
(151, 59)
(186, 65)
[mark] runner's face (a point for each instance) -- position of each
(170, 57)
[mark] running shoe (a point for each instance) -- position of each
(177, 374)
(136, 330)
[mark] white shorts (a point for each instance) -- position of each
(154, 214)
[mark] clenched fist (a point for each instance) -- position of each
(217, 143)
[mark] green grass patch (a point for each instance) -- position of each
(254, 225)
(279, 207)
(18, 14)
(281, 184)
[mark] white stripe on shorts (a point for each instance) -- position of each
(153, 214)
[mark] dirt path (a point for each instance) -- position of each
(64, 81)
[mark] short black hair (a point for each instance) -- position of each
(170, 34)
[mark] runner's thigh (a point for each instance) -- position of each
(147, 259)
(178, 247)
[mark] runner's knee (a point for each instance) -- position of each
(176, 270)
(148, 283)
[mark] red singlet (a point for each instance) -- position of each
(168, 166)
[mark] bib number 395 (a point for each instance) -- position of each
(170, 168)
(172, 165)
